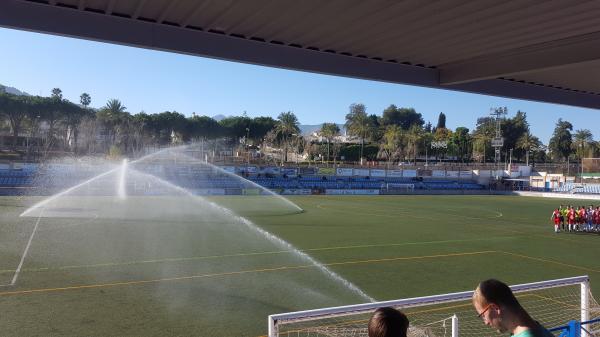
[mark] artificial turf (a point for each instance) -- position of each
(207, 274)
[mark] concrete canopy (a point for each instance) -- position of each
(546, 51)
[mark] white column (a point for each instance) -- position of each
(585, 305)
(272, 328)
(454, 326)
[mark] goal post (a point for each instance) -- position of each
(553, 303)
(399, 188)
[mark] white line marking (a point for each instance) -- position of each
(14, 280)
(18, 270)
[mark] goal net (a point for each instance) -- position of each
(399, 187)
(552, 303)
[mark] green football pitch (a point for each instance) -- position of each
(200, 276)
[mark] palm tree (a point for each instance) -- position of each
(581, 138)
(114, 106)
(528, 142)
(287, 125)
(358, 124)
(112, 115)
(57, 93)
(329, 131)
(85, 99)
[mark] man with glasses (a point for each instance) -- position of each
(498, 307)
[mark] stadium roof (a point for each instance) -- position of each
(526, 49)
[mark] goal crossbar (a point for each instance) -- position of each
(274, 321)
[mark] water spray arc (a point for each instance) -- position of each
(28, 211)
(128, 175)
(246, 181)
(269, 236)
(121, 191)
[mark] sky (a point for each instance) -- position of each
(153, 82)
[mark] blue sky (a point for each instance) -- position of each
(152, 81)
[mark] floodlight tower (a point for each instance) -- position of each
(498, 141)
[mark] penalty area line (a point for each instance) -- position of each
(18, 270)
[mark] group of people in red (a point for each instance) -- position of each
(576, 219)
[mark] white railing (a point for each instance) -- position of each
(274, 321)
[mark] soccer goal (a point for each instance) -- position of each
(553, 303)
(399, 188)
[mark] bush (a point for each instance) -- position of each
(352, 152)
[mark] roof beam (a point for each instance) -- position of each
(166, 11)
(70, 22)
(110, 7)
(138, 9)
(550, 55)
(109, 28)
(190, 17)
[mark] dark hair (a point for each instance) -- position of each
(388, 322)
(499, 293)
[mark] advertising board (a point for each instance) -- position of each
(438, 173)
(377, 173)
(309, 171)
(394, 173)
(209, 191)
(424, 173)
(361, 172)
(290, 172)
(251, 191)
(351, 192)
(296, 191)
(452, 174)
(346, 172)
(270, 170)
(409, 173)
(326, 171)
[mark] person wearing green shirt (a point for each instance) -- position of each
(498, 307)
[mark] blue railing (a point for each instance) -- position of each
(573, 329)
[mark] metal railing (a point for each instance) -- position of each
(575, 329)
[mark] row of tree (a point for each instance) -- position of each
(45, 124)
(402, 134)
(53, 123)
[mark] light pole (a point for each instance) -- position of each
(247, 148)
(581, 160)
(295, 135)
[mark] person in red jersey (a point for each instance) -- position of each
(556, 218)
(571, 218)
(582, 218)
(596, 218)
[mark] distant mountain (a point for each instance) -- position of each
(14, 91)
(218, 118)
(309, 129)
